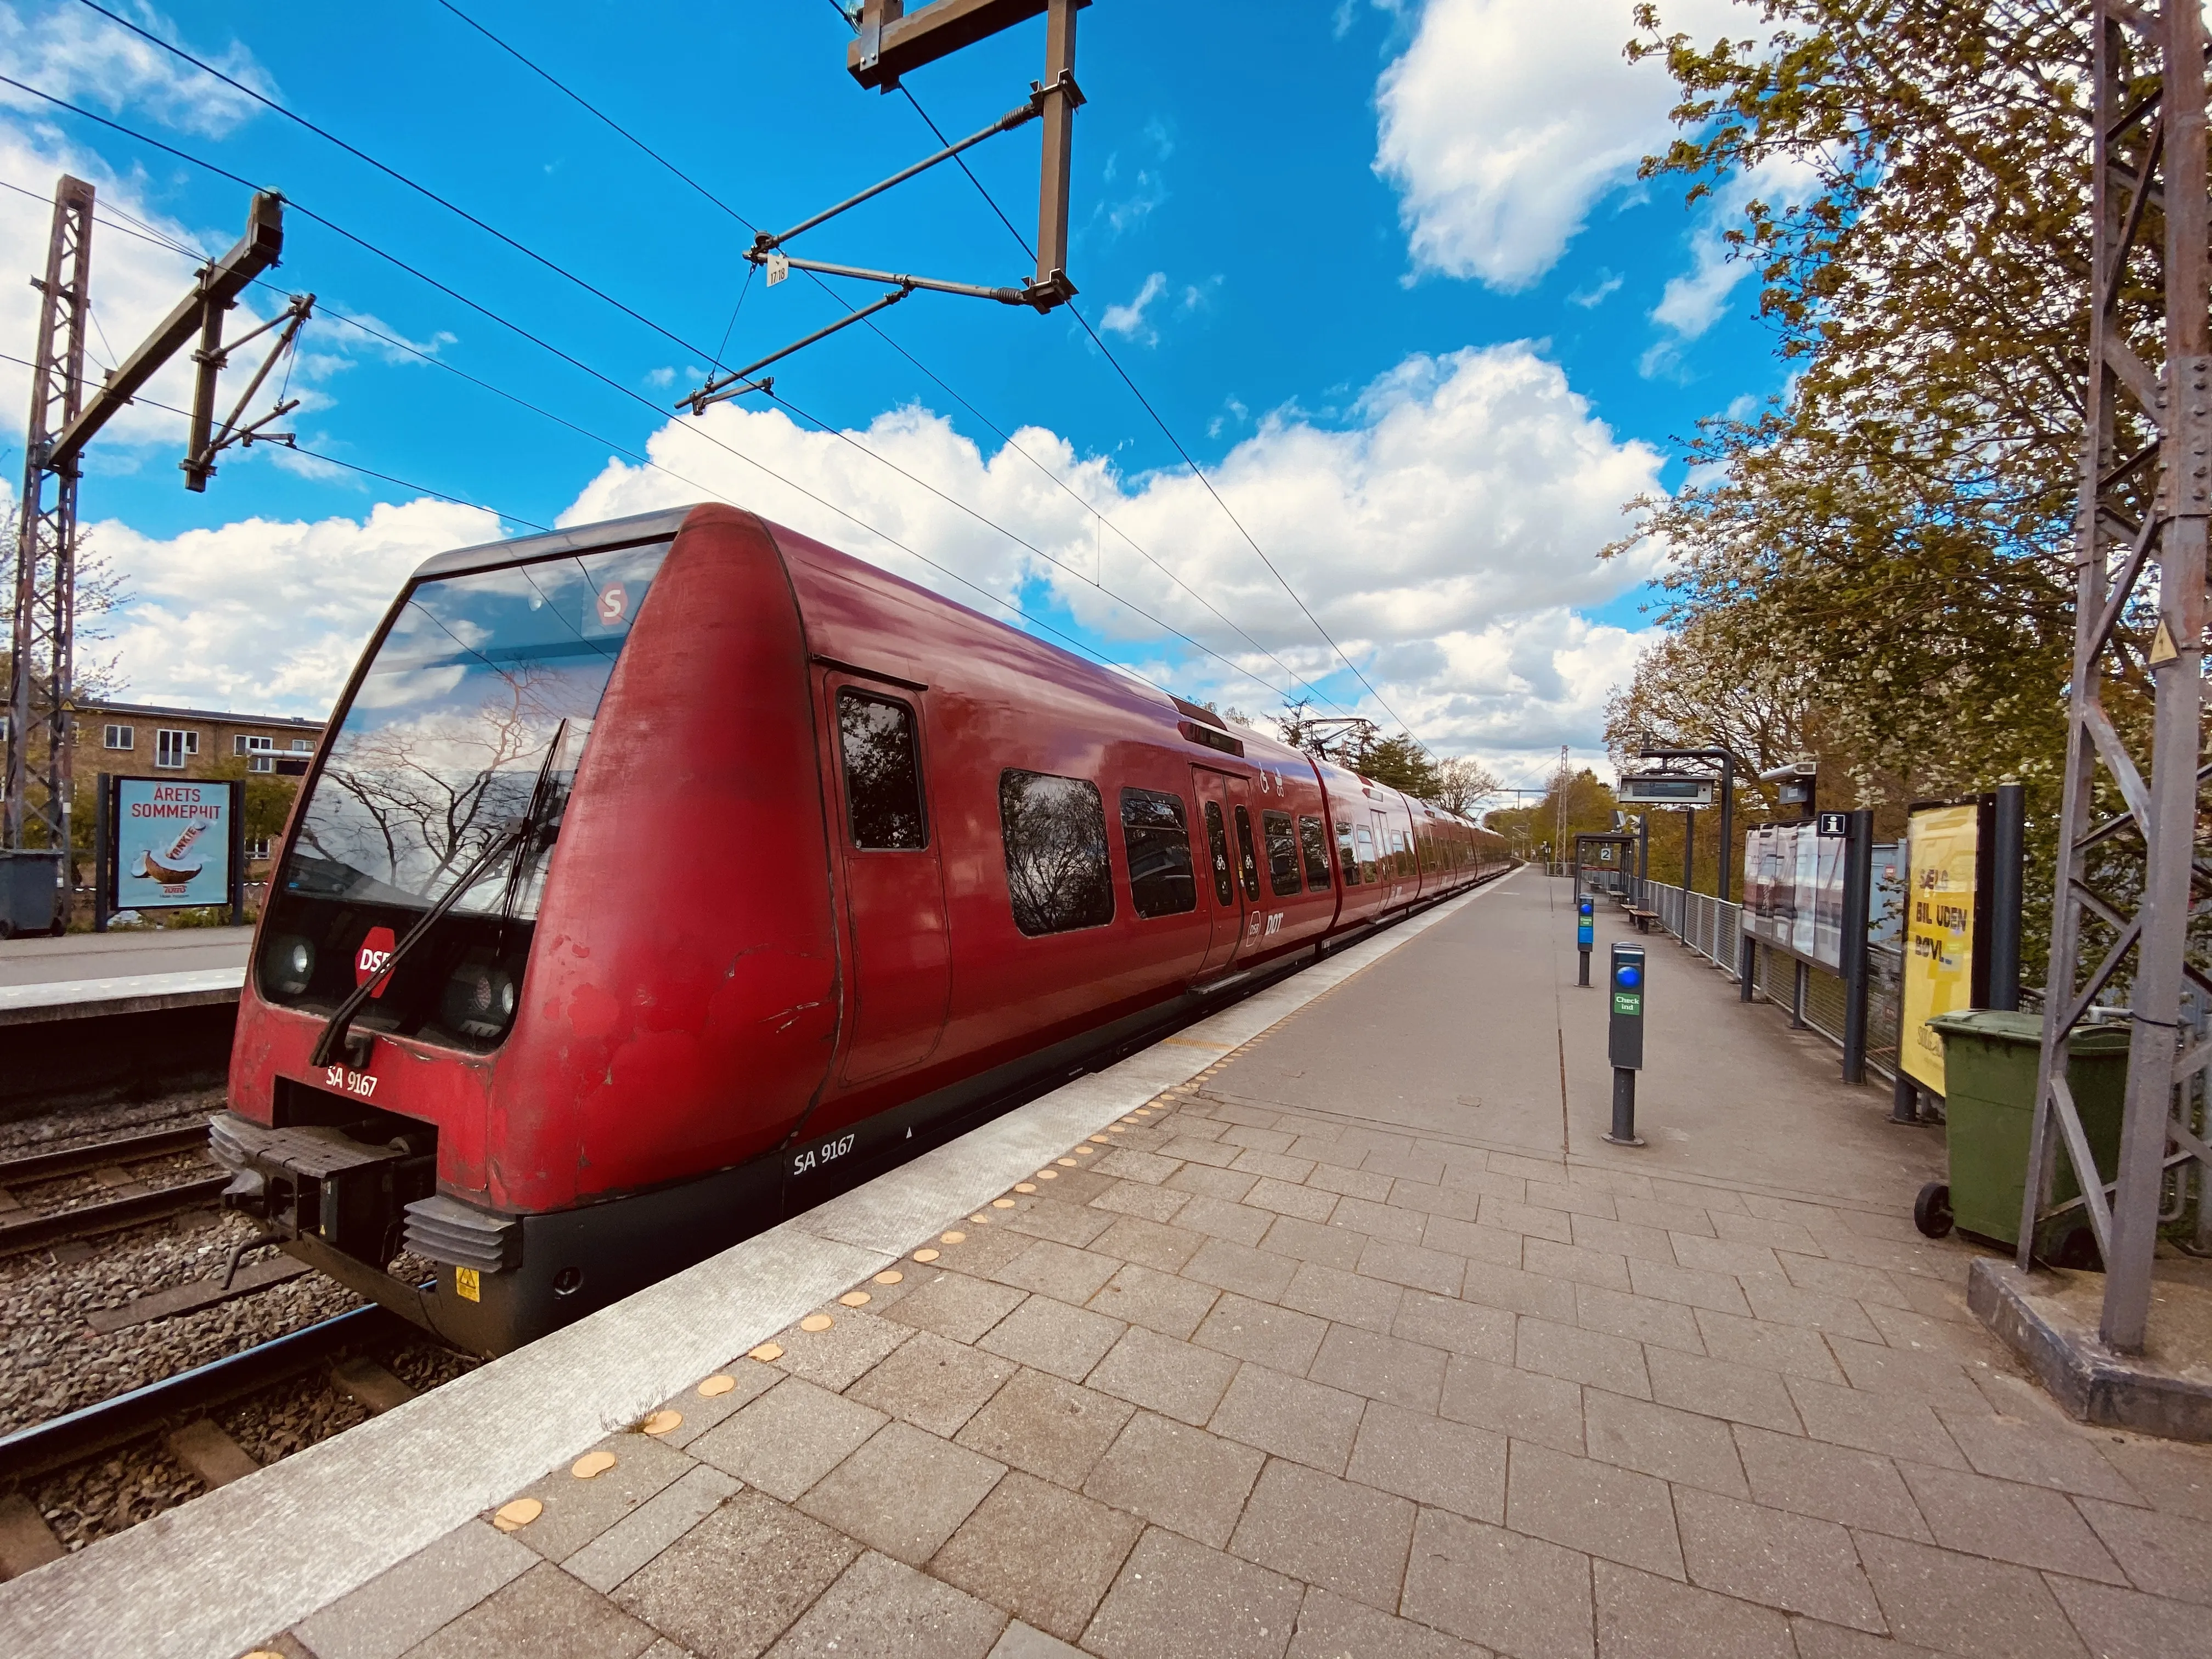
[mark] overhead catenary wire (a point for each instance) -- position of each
(599, 115)
(1197, 471)
(545, 344)
(553, 266)
(624, 449)
(331, 460)
(393, 173)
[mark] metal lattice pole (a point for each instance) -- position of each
(42, 641)
(2136, 538)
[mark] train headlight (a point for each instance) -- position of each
(290, 965)
(480, 1000)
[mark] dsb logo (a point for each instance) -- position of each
(376, 947)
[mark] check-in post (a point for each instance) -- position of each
(1624, 1038)
(1585, 933)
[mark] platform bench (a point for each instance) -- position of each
(1642, 919)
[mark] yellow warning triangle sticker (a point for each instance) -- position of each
(2161, 648)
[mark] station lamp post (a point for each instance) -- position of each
(1727, 763)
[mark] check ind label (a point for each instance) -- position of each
(1628, 1002)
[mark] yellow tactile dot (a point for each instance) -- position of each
(980, 1220)
(856, 1298)
(1065, 1162)
(1115, 1130)
(592, 1465)
(952, 1238)
(1082, 1151)
(661, 1422)
(722, 1383)
(1100, 1141)
(1002, 1203)
(816, 1322)
(925, 1256)
(1025, 1186)
(889, 1276)
(1048, 1175)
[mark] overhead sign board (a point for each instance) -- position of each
(1664, 789)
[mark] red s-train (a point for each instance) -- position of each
(655, 873)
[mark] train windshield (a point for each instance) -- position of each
(451, 766)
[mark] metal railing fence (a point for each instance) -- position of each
(1714, 930)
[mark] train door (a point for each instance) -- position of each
(901, 963)
(1221, 799)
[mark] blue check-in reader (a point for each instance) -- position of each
(1625, 1035)
(1585, 923)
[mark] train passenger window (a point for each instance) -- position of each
(1366, 857)
(1156, 837)
(883, 771)
(1057, 870)
(1246, 857)
(1217, 839)
(1282, 838)
(1314, 842)
(1428, 854)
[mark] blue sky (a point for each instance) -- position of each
(1382, 268)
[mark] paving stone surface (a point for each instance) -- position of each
(1350, 1348)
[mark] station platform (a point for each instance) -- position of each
(1329, 1326)
(125, 954)
(90, 1017)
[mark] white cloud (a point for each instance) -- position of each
(1694, 300)
(1128, 320)
(79, 55)
(1446, 538)
(1503, 123)
(76, 54)
(265, 616)
(1597, 293)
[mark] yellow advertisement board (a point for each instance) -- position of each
(1941, 844)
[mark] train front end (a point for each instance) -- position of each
(519, 1034)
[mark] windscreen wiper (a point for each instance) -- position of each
(337, 1032)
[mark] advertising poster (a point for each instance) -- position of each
(1793, 891)
(172, 840)
(1941, 844)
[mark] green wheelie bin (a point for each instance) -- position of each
(1988, 1109)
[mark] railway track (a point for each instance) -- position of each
(78, 1435)
(22, 1228)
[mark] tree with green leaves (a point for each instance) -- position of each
(1900, 524)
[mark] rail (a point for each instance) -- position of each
(90, 1220)
(95, 1429)
(129, 1149)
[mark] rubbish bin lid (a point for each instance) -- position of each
(2002, 1025)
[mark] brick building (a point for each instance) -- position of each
(151, 739)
